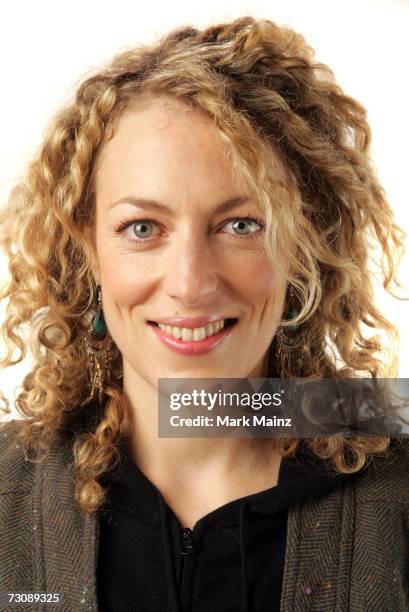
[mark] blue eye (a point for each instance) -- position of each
(240, 223)
(143, 228)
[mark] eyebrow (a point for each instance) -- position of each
(149, 204)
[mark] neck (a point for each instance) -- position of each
(164, 459)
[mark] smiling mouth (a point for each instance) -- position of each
(226, 322)
(196, 334)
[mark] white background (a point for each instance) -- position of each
(46, 48)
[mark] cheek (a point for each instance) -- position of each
(261, 282)
(124, 282)
(128, 281)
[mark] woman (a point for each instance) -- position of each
(217, 181)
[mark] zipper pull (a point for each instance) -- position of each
(187, 543)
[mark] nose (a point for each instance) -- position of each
(191, 271)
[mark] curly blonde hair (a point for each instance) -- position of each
(262, 88)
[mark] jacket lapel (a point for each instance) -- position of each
(65, 540)
(318, 553)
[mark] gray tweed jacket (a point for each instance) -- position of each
(346, 551)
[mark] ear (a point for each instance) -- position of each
(89, 235)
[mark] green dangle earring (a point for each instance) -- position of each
(98, 345)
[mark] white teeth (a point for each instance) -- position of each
(177, 332)
(187, 334)
(199, 333)
(196, 334)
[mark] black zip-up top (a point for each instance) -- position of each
(231, 561)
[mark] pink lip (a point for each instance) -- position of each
(198, 347)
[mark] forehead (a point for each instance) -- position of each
(163, 110)
(167, 145)
(164, 137)
(161, 117)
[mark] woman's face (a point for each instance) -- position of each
(170, 243)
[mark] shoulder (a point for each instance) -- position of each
(16, 471)
(26, 472)
(386, 477)
(20, 462)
